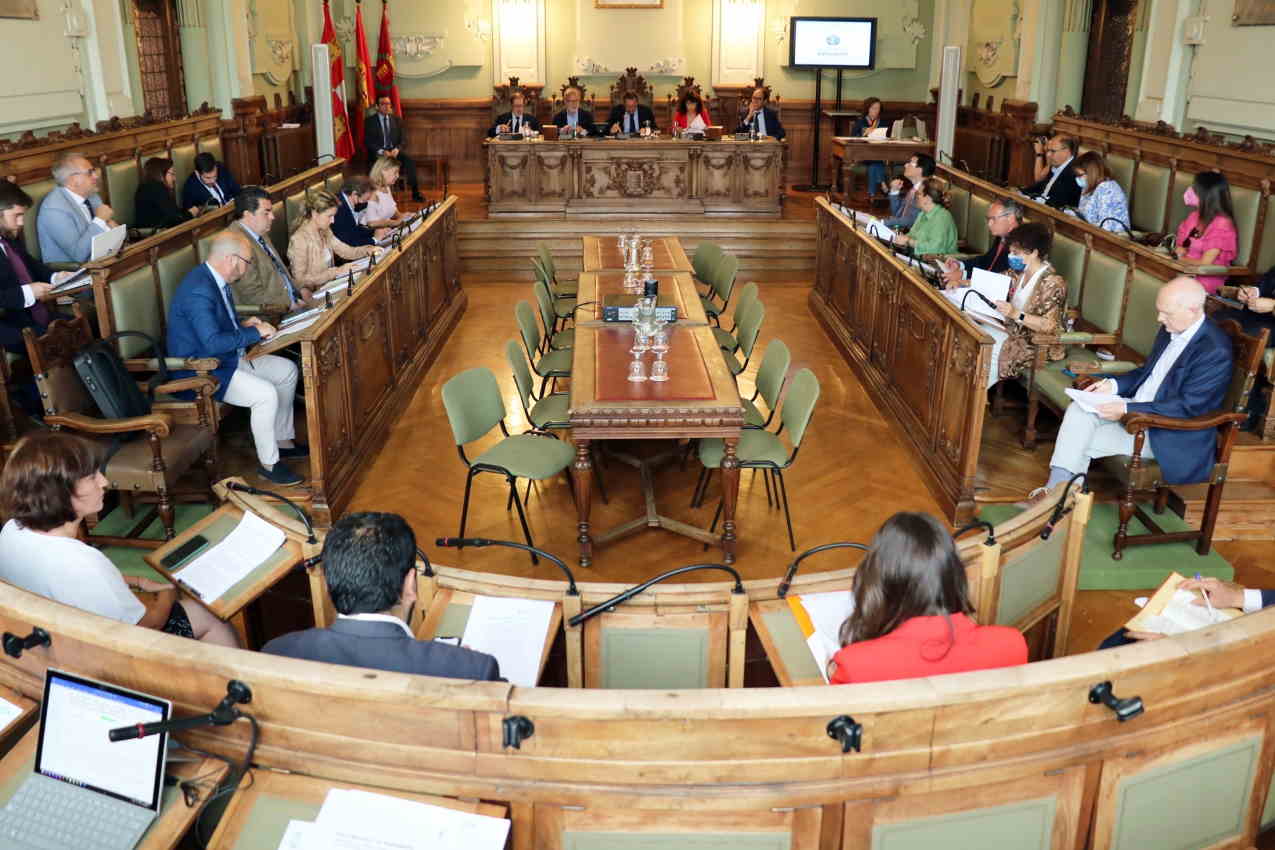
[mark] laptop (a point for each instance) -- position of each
(106, 244)
(86, 790)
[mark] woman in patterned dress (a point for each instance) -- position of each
(1037, 303)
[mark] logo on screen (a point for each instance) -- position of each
(834, 40)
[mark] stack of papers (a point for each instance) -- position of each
(827, 611)
(64, 282)
(360, 820)
(1172, 611)
(514, 631)
(223, 566)
(8, 713)
(993, 287)
(1089, 402)
(298, 326)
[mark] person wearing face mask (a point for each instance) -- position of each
(355, 194)
(1207, 236)
(1102, 200)
(934, 231)
(903, 205)
(1036, 303)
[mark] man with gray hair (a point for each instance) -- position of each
(1186, 375)
(72, 214)
(1003, 215)
(202, 322)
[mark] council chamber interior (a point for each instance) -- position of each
(652, 424)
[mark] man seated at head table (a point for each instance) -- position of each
(1186, 375)
(1055, 178)
(210, 184)
(579, 120)
(760, 117)
(202, 322)
(267, 280)
(515, 119)
(1003, 216)
(903, 204)
(369, 562)
(629, 116)
(72, 214)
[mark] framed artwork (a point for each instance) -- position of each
(1254, 13)
(628, 4)
(20, 9)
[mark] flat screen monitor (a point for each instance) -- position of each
(832, 43)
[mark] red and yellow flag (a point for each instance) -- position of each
(340, 123)
(364, 78)
(383, 77)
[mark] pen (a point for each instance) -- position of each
(1205, 594)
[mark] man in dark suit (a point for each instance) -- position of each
(1186, 375)
(628, 116)
(383, 136)
(1003, 215)
(24, 281)
(356, 191)
(515, 119)
(203, 322)
(580, 120)
(369, 561)
(1055, 179)
(761, 118)
(210, 181)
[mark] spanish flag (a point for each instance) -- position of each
(340, 123)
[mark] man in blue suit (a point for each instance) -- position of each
(1186, 375)
(356, 191)
(210, 181)
(73, 213)
(202, 322)
(369, 560)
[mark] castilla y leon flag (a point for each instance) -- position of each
(364, 72)
(383, 77)
(340, 124)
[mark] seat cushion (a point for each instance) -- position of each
(528, 456)
(551, 411)
(564, 339)
(755, 447)
(564, 307)
(555, 363)
(711, 307)
(725, 339)
(1050, 382)
(130, 467)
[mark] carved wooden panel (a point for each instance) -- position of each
(915, 361)
(511, 174)
(843, 261)
(330, 395)
(632, 176)
(367, 336)
(401, 312)
(861, 292)
(451, 255)
(717, 174)
(961, 390)
(554, 173)
(759, 175)
(435, 279)
(883, 284)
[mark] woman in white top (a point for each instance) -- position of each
(50, 483)
(1037, 303)
(381, 210)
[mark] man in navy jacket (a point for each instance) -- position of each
(210, 181)
(202, 322)
(1186, 375)
(355, 193)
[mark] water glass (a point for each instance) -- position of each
(637, 370)
(659, 369)
(659, 340)
(641, 341)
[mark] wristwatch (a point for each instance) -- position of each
(1021, 317)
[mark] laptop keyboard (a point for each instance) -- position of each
(52, 815)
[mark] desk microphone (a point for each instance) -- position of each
(626, 595)
(305, 517)
(479, 542)
(223, 715)
(792, 568)
(1061, 507)
(989, 302)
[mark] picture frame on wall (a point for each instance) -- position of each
(628, 4)
(1254, 13)
(25, 9)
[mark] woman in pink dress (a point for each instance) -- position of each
(1207, 236)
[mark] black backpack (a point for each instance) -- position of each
(111, 385)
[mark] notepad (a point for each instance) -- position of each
(1090, 401)
(227, 563)
(513, 630)
(64, 282)
(8, 713)
(820, 616)
(992, 285)
(1172, 611)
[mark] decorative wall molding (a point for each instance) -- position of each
(668, 67)
(416, 46)
(995, 39)
(739, 40)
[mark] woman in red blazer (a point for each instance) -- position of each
(690, 113)
(911, 611)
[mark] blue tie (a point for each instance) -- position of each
(229, 301)
(279, 267)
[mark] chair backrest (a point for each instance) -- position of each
(707, 256)
(473, 403)
(748, 293)
(1121, 168)
(212, 145)
(544, 300)
(750, 327)
(546, 260)
(977, 236)
(173, 268)
(773, 371)
(522, 374)
(1102, 301)
(527, 327)
(135, 306)
(799, 405)
(539, 267)
(691, 646)
(37, 190)
(1150, 193)
(723, 280)
(1067, 256)
(51, 355)
(122, 178)
(1140, 325)
(632, 81)
(183, 157)
(1248, 351)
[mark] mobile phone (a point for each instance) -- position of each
(184, 551)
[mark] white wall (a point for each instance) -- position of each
(1232, 86)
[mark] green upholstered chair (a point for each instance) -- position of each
(553, 340)
(212, 145)
(656, 649)
(1142, 475)
(1150, 195)
(727, 339)
(135, 306)
(293, 209)
(37, 190)
(560, 288)
(122, 178)
(1266, 247)
(1068, 257)
(550, 365)
(1121, 168)
(707, 256)
(959, 206)
(333, 183)
(1178, 209)
(721, 287)
(749, 329)
(183, 157)
(474, 406)
(1246, 203)
(564, 306)
(279, 230)
(977, 236)
(769, 385)
(761, 449)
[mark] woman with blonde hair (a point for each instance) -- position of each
(382, 211)
(312, 246)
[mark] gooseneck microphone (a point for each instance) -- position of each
(1061, 508)
(479, 542)
(619, 598)
(989, 302)
(305, 517)
(223, 715)
(782, 591)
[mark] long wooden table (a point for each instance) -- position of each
(918, 356)
(362, 361)
(615, 177)
(850, 150)
(699, 400)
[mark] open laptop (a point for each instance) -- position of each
(107, 243)
(87, 791)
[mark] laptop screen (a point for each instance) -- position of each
(74, 747)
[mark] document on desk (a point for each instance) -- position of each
(876, 227)
(825, 613)
(298, 326)
(8, 713)
(974, 305)
(64, 282)
(224, 565)
(360, 820)
(514, 631)
(1089, 401)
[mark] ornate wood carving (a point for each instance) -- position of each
(634, 178)
(632, 81)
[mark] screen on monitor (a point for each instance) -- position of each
(832, 43)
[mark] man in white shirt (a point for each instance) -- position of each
(72, 214)
(1186, 375)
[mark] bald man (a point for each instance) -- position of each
(202, 322)
(1186, 375)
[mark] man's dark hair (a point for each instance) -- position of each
(248, 199)
(381, 97)
(356, 184)
(630, 95)
(925, 162)
(365, 558)
(11, 195)
(205, 162)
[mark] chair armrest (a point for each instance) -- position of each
(1134, 422)
(1107, 367)
(195, 382)
(1074, 338)
(250, 309)
(63, 267)
(154, 423)
(195, 364)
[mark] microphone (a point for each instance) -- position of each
(1060, 509)
(782, 591)
(479, 542)
(636, 589)
(978, 523)
(305, 517)
(223, 715)
(989, 302)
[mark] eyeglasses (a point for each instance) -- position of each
(90, 172)
(992, 218)
(247, 261)
(1055, 150)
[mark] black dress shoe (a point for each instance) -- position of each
(301, 450)
(282, 474)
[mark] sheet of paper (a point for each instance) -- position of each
(513, 630)
(878, 229)
(1089, 401)
(366, 818)
(8, 713)
(297, 327)
(300, 835)
(71, 281)
(243, 550)
(973, 304)
(299, 316)
(994, 286)
(823, 650)
(827, 611)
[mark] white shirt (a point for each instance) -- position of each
(65, 570)
(573, 118)
(1177, 344)
(515, 122)
(1055, 171)
(761, 122)
(1025, 291)
(696, 123)
(378, 618)
(215, 191)
(28, 297)
(78, 201)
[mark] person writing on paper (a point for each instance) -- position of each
(517, 120)
(153, 202)
(1102, 200)
(72, 214)
(369, 561)
(1207, 236)
(1055, 179)
(382, 211)
(313, 245)
(51, 482)
(934, 231)
(903, 205)
(1221, 595)
(630, 117)
(863, 126)
(1036, 304)
(579, 121)
(691, 114)
(912, 611)
(203, 322)
(210, 185)
(1002, 216)
(760, 118)
(267, 280)
(1186, 375)
(347, 224)
(25, 282)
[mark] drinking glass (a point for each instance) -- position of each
(641, 340)
(659, 339)
(659, 369)
(637, 370)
